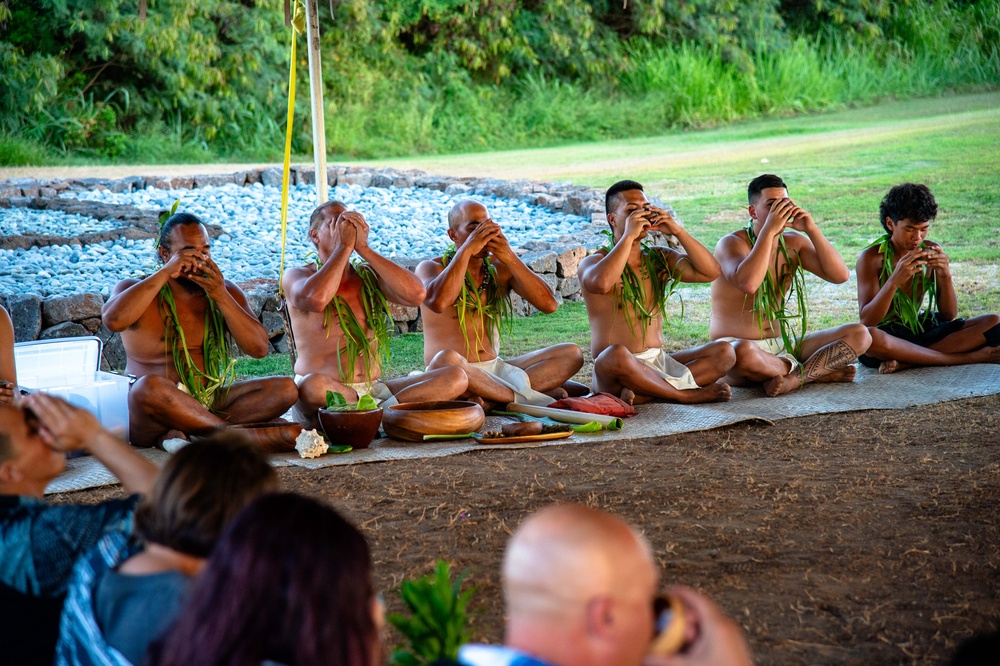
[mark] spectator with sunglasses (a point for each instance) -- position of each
(580, 587)
(39, 543)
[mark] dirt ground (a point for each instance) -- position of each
(858, 538)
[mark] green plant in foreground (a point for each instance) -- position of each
(338, 403)
(439, 620)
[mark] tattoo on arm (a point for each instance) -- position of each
(828, 359)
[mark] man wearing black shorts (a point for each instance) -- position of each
(901, 271)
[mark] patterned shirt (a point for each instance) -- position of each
(39, 544)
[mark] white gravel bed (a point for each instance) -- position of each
(17, 221)
(405, 223)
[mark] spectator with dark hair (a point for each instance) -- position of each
(625, 285)
(760, 305)
(40, 542)
(8, 373)
(897, 275)
(176, 326)
(123, 595)
(289, 582)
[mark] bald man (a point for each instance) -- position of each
(579, 585)
(468, 301)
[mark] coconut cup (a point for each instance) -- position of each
(410, 421)
(271, 436)
(351, 427)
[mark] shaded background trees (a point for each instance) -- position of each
(202, 79)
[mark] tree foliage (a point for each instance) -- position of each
(82, 75)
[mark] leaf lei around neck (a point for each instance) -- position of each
(220, 369)
(903, 308)
(356, 343)
(771, 302)
(497, 312)
(630, 292)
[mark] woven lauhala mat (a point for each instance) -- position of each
(870, 390)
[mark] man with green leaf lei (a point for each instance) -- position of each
(467, 305)
(176, 326)
(901, 271)
(341, 320)
(626, 285)
(762, 271)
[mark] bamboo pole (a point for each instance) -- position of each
(316, 96)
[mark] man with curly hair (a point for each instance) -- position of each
(901, 271)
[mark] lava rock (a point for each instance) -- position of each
(26, 315)
(67, 329)
(71, 308)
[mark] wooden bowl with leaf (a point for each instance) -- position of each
(354, 425)
(410, 421)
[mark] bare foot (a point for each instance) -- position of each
(891, 366)
(717, 392)
(993, 356)
(845, 374)
(557, 393)
(628, 396)
(781, 384)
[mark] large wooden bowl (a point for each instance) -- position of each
(272, 436)
(351, 427)
(410, 421)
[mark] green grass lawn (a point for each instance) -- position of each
(838, 166)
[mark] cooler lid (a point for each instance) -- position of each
(44, 363)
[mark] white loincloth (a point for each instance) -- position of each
(671, 370)
(516, 380)
(772, 346)
(376, 389)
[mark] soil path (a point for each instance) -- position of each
(870, 537)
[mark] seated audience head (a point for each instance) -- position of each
(579, 586)
(200, 490)
(289, 582)
(907, 204)
(763, 182)
(27, 461)
(464, 217)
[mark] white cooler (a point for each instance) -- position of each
(70, 368)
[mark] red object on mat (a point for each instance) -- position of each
(599, 403)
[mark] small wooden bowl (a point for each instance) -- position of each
(410, 421)
(351, 427)
(271, 436)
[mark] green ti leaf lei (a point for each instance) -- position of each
(631, 295)
(904, 309)
(497, 311)
(771, 302)
(220, 370)
(356, 344)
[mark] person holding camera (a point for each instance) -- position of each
(581, 588)
(625, 286)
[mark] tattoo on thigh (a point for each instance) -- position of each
(830, 358)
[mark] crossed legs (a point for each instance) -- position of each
(969, 344)
(828, 357)
(158, 408)
(619, 372)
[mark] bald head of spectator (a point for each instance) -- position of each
(579, 585)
